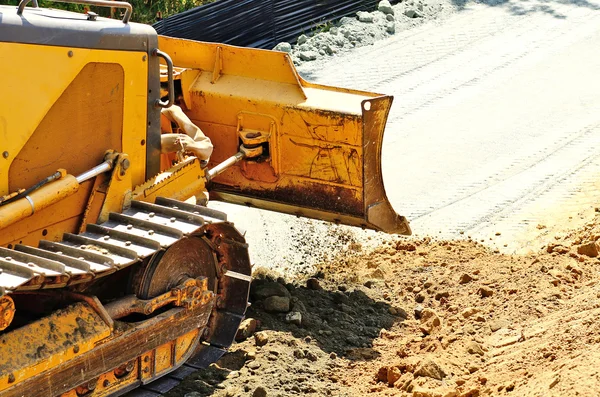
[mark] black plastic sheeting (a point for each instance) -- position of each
(257, 23)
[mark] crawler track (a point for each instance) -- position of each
(129, 238)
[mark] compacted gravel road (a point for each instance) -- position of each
(493, 133)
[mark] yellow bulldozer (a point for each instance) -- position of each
(113, 270)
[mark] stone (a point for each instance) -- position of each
(268, 289)
(411, 13)
(312, 356)
(430, 322)
(313, 284)
(393, 374)
(469, 311)
(442, 294)
(589, 249)
(418, 311)
(260, 392)
(474, 348)
(495, 325)
(277, 304)
(465, 278)
(430, 369)
(364, 17)
(390, 27)
(419, 298)
(385, 7)
(389, 18)
(302, 39)
(261, 338)
(283, 46)
(246, 329)
(308, 55)
(298, 306)
(294, 318)
(485, 292)
(254, 365)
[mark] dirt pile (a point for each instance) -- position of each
(423, 318)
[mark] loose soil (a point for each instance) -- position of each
(422, 318)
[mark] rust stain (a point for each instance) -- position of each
(317, 196)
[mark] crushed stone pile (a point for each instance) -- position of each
(364, 29)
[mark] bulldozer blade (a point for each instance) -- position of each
(321, 146)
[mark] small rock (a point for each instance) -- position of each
(588, 249)
(485, 292)
(419, 298)
(558, 248)
(411, 13)
(294, 318)
(393, 374)
(342, 288)
(254, 365)
(333, 356)
(465, 278)
(260, 392)
(364, 16)
(390, 27)
(469, 311)
(298, 306)
(302, 39)
(441, 294)
(474, 348)
(313, 284)
(339, 297)
(246, 329)
(430, 369)
(277, 304)
(251, 355)
(385, 7)
(497, 324)
(418, 311)
(268, 289)
(389, 18)
(283, 46)
(312, 356)
(308, 55)
(261, 338)
(430, 322)
(369, 284)
(382, 374)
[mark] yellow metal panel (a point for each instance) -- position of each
(32, 94)
(183, 345)
(48, 342)
(163, 358)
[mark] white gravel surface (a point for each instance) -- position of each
(494, 132)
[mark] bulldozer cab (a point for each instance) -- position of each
(320, 147)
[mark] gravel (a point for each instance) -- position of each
(364, 29)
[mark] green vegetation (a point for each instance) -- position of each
(144, 11)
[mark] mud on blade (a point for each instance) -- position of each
(321, 146)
